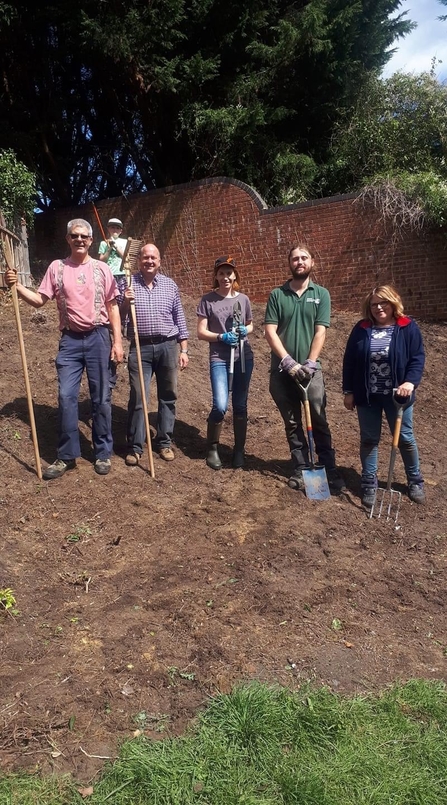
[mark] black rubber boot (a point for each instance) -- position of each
(240, 435)
(212, 438)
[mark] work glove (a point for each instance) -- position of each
(293, 368)
(309, 368)
(242, 331)
(230, 339)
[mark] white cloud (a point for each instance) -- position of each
(414, 53)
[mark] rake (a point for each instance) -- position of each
(129, 263)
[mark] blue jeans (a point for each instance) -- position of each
(286, 395)
(219, 387)
(162, 361)
(89, 351)
(370, 421)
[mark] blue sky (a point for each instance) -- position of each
(415, 52)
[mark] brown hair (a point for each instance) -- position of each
(302, 246)
(237, 281)
(388, 294)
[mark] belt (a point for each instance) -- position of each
(154, 339)
(82, 333)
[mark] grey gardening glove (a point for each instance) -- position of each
(309, 368)
(293, 368)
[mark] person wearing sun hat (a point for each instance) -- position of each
(111, 251)
(224, 321)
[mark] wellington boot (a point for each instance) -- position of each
(212, 438)
(240, 435)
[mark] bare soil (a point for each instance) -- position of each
(139, 598)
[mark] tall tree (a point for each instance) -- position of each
(398, 124)
(395, 138)
(104, 98)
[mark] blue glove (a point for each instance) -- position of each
(309, 367)
(242, 330)
(230, 339)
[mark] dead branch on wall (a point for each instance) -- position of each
(398, 213)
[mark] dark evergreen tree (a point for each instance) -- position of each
(107, 98)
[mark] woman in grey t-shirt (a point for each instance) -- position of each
(225, 320)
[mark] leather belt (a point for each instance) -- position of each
(154, 339)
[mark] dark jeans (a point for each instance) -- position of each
(162, 361)
(370, 421)
(89, 351)
(286, 395)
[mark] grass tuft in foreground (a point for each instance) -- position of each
(264, 745)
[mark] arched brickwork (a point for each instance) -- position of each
(194, 223)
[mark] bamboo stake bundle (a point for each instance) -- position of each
(8, 254)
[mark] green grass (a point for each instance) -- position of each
(264, 745)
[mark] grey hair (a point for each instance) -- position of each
(79, 222)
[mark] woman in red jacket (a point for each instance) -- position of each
(384, 355)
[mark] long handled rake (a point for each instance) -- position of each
(130, 253)
(7, 251)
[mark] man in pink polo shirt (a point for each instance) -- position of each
(85, 293)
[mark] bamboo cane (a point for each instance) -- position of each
(141, 376)
(15, 300)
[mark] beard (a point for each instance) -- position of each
(302, 274)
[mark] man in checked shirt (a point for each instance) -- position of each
(162, 330)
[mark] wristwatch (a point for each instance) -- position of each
(183, 352)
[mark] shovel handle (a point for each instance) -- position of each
(310, 435)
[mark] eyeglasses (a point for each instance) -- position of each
(79, 237)
(375, 305)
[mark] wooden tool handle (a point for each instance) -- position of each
(141, 379)
(397, 427)
(15, 301)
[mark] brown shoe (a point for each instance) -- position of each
(132, 459)
(167, 454)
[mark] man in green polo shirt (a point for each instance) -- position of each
(297, 316)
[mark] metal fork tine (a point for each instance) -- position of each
(394, 495)
(387, 502)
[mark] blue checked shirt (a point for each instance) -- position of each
(159, 311)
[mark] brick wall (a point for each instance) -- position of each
(192, 224)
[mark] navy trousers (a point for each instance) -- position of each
(89, 351)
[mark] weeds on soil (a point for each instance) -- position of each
(8, 601)
(263, 745)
